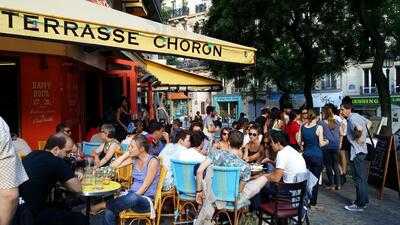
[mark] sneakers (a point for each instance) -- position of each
(354, 208)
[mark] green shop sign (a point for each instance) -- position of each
(374, 100)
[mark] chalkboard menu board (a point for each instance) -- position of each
(384, 170)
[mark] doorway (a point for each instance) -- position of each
(9, 93)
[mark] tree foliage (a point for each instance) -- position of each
(298, 42)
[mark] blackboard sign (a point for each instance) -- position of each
(384, 170)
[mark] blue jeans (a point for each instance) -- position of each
(360, 180)
(130, 201)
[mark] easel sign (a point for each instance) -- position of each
(384, 168)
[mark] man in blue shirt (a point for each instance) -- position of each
(357, 135)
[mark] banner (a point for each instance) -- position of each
(30, 25)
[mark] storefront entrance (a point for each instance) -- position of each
(9, 93)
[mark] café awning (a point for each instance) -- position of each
(173, 79)
(80, 21)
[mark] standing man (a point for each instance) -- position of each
(12, 175)
(208, 123)
(357, 135)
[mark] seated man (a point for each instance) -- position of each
(45, 169)
(224, 158)
(193, 154)
(181, 143)
(156, 133)
(288, 165)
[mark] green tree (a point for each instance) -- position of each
(379, 35)
(298, 42)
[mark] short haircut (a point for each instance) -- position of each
(197, 138)
(236, 139)
(154, 126)
(141, 141)
(109, 128)
(196, 124)
(293, 114)
(60, 127)
(56, 140)
(210, 109)
(181, 135)
(346, 100)
(278, 136)
(264, 111)
(178, 122)
(347, 105)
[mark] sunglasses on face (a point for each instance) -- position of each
(224, 134)
(253, 134)
(67, 131)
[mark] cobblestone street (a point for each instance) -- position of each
(378, 212)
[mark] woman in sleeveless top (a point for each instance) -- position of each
(312, 140)
(123, 118)
(332, 132)
(145, 175)
(104, 154)
(223, 143)
(253, 149)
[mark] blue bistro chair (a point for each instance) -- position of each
(124, 147)
(88, 147)
(185, 186)
(225, 186)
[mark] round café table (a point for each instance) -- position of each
(89, 191)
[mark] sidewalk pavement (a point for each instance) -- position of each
(378, 212)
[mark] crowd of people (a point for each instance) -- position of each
(290, 142)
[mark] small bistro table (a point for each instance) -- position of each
(89, 191)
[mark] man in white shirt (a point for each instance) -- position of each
(193, 154)
(181, 143)
(289, 164)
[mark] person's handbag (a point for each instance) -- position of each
(370, 147)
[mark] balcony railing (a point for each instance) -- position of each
(201, 8)
(184, 11)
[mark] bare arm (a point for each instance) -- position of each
(153, 167)
(122, 161)
(275, 176)
(246, 153)
(199, 177)
(73, 185)
(299, 139)
(257, 155)
(9, 201)
(320, 134)
(110, 153)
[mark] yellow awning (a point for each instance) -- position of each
(84, 22)
(173, 77)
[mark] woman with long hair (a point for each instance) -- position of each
(223, 143)
(292, 129)
(332, 132)
(253, 149)
(312, 139)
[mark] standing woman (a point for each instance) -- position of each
(332, 133)
(313, 139)
(292, 129)
(223, 143)
(123, 118)
(344, 149)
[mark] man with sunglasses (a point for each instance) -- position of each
(63, 128)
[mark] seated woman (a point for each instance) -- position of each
(145, 175)
(104, 154)
(223, 143)
(253, 150)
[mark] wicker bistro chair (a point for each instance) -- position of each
(225, 187)
(287, 206)
(165, 196)
(136, 216)
(185, 186)
(124, 176)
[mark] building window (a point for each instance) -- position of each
(329, 82)
(397, 88)
(201, 8)
(369, 84)
(203, 108)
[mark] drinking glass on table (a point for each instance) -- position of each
(98, 182)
